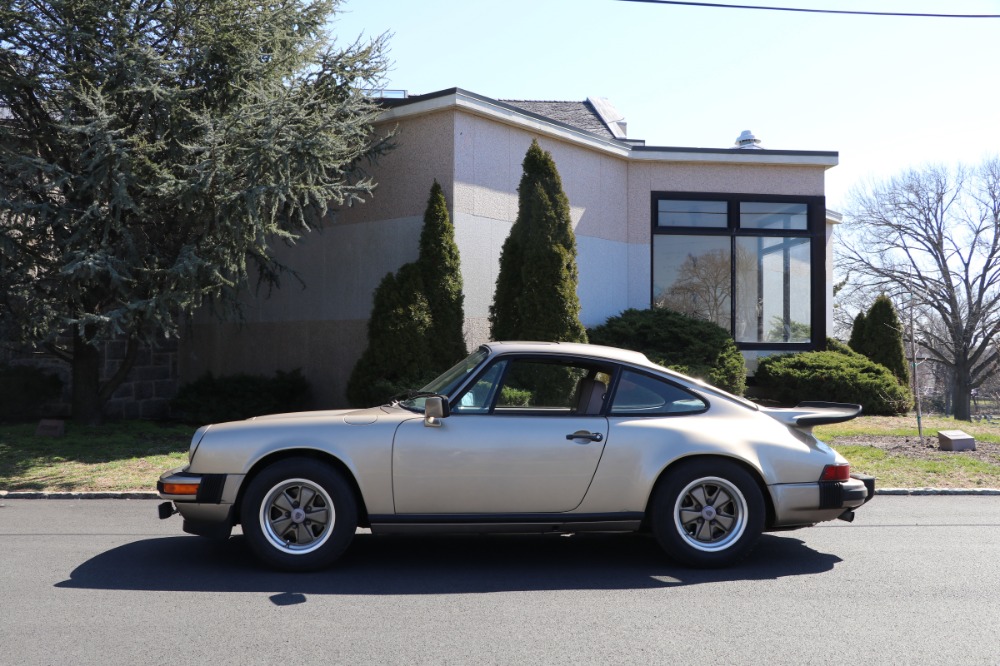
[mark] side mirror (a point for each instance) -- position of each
(436, 407)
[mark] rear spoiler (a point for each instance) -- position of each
(809, 414)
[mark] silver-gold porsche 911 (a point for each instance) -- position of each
(522, 437)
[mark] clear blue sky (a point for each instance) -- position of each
(887, 93)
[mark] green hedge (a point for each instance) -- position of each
(834, 376)
(213, 399)
(693, 346)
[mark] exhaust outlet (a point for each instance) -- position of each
(847, 516)
(166, 510)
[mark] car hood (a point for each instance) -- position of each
(349, 416)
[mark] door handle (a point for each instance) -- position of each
(592, 436)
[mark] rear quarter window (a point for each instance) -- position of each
(643, 395)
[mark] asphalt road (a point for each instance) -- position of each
(914, 580)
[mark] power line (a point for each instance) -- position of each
(718, 5)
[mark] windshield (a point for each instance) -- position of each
(448, 381)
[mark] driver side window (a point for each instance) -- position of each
(478, 398)
(537, 387)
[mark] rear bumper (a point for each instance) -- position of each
(846, 494)
(799, 504)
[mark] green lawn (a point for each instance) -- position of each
(916, 465)
(121, 456)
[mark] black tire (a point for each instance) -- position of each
(299, 514)
(708, 513)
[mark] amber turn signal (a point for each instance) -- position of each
(180, 488)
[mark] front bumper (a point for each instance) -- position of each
(205, 501)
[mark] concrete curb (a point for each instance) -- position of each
(77, 496)
(938, 491)
(144, 495)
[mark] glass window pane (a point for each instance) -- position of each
(703, 214)
(773, 290)
(693, 275)
(773, 215)
(543, 388)
(478, 398)
(644, 395)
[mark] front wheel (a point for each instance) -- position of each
(299, 515)
(708, 514)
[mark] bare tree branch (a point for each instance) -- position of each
(930, 238)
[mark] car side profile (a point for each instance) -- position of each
(522, 437)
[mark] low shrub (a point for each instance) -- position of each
(24, 390)
(211, 399)
(835, 345)
(693, 346)
(833, 376)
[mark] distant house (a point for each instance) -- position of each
(738, 235)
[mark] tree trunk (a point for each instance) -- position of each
(962, 395)
(88, 409)
(89, 396)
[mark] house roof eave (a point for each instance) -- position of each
(470, 102)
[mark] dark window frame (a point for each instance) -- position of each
(815, 231)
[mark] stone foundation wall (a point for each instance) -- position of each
(145, 393)
(150, 385)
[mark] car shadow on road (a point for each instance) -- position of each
(391, 565)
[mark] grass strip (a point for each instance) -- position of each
(122, 456)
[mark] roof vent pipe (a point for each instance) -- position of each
(747, 140)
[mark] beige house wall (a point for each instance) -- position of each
(320, 326)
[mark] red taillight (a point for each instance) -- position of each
(838, 472)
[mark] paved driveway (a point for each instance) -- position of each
(915, 580)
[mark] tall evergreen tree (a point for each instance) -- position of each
(151, 153)
(883, 334)
(415, 329)
(441, 270)
(397, 357)
(535, 297)
(857, 340)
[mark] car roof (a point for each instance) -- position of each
(614, 354)
(572, 348)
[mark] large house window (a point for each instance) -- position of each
(753, 264)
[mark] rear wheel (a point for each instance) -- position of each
(708, 513)
(299, 514)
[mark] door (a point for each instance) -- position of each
(526, 437)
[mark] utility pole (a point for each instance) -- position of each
(914, 365)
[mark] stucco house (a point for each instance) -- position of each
(740, 235)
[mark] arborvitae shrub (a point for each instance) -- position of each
(832, 376)
(857, 339)
(211, 399)
(693, 346)
(441, 271)
(535, 297)
(398, 357)
(415, 328)
(883, 335)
